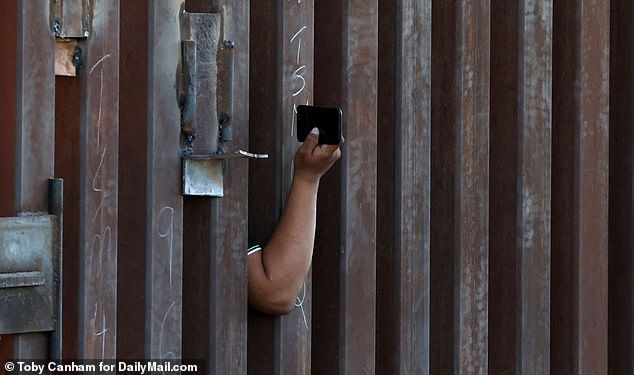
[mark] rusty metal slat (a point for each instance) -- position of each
(98, 181)
(534, 190)
(35, 128)
(359, 172)
(165, 215)
(471, 338)
(413, 184)
(35, 104)
(591, 264)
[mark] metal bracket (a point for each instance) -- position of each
(71, 20)
(30, 271)
(202, 174)
(205, 88)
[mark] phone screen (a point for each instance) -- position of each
(326, 119)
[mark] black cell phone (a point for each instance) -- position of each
(326, 119)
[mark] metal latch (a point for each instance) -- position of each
(30, 270)
(71, 21)
(206, 101)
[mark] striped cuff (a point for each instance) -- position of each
(254, 249)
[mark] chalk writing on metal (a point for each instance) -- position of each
(167, 232)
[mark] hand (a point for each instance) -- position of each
(313, 160)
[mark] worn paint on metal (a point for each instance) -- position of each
(297, 69)
(592, 122)
(164, 250)
(413, 183)
(99, 185)
(34, 151)
(471, 343)
(534, 200)
(358, 168)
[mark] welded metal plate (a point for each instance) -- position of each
(202, 177)
(26, 273)
(71, 18)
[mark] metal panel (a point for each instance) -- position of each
(98, 185)
(413, 183)
(358, 217)
(592, 122)
(215, 229)
(165, 212)
(35, 127)
(534, 191)
(297, 33)
(580, 192)
(408, 287)
(472, 194)
(289, 56)
(345, 253)
(36, 93)
(228, 334)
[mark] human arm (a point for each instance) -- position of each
(276, 274)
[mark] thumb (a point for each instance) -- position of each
(312, 138)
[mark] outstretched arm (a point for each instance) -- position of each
(277, 273)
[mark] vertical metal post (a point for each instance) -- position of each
(35, 153)
(216, 229)
(344, 267)
(164, 230)
(403, 180)
(472, 91)
(98, 185)
(579, 319)
(534, 173)
(297, 33)
(592, 126)
(358, 216)
(413, 182)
